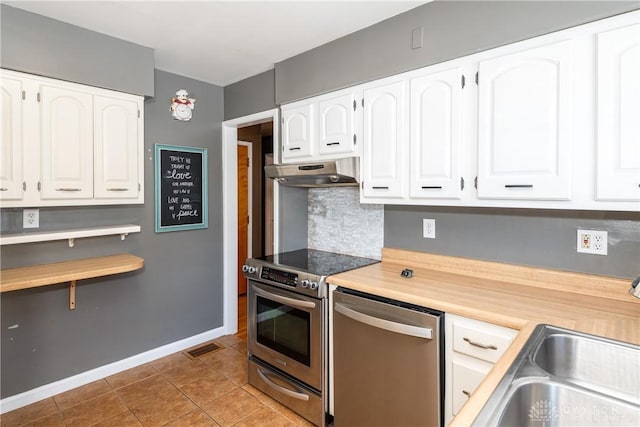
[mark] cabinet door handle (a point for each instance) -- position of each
(484, 346)
(432, 187)
(518, 186)
(380, 188)
(117, 189)
(332, 143)
(466, 393)
(4, 189)
(68, 189)
(295, 148)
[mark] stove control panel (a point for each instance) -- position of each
(279, 276)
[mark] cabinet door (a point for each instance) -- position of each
(525, 124)
(618, 79)
(336, 125)
(384, 136)
(67, 143)
(436, 131)
(466, 378)
(297, 132)
(11, 173)
(116, 148)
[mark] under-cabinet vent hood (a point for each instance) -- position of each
(327, 173)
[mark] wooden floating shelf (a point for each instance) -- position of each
(71, 235)
(14, 279)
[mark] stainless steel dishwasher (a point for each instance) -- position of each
(387, 362)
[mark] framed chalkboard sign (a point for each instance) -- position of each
(181, 188)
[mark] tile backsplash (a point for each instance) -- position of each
(339, 223)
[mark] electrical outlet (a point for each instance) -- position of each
(429, 228)
(592, 242)
(30, 218)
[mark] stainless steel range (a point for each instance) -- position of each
(287, 326)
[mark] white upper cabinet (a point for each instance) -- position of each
(337, 125)
(436, 135)
(297, 131)
(384, 135)
(11, 177)
(618, 114)
(525, 124)
(67, 143)
(116, 149)
(321, 128)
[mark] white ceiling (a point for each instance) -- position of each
(221, 42)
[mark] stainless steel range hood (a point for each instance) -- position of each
(327, 173)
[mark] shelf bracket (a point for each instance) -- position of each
(71, 242)
(123, 235)
(72, 295)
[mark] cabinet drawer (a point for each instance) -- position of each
(483, 341)
(465, 380)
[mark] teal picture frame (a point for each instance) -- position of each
(181, 191)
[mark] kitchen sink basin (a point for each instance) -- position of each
(549, 403)
(567, 378)
(611, 368)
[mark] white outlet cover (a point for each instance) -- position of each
(592, 242)
(30, 218)
(428, 228)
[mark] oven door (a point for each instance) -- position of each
(286, 331)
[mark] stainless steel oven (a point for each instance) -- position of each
(287, 326)
(287, 331)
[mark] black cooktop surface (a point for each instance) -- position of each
(317, 262)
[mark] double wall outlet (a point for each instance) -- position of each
(429, 228)
(592, 242)
(30, 218)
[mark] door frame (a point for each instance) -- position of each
(230, 210)
(249, 146)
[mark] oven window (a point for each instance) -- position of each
(284, 329)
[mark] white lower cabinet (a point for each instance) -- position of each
(471, 349)
(67, 144)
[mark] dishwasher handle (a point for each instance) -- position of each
(376, 322)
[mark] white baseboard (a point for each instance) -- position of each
(23, 399)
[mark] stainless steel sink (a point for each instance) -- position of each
(608, 367)
(537, 402)
(566, 378)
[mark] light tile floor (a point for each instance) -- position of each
(175, 391)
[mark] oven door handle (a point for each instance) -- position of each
(284, 390)
(285, 300)
(376, 322)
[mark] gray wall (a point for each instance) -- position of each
(248, 96)
(451, 29)
(34, 44)
(176, 295)
(541, 238)
(292, 205)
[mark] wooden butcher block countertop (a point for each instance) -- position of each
(513, 296)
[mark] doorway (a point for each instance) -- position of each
(230, 130)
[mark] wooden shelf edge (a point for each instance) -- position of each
(122, 230)
(14, 279)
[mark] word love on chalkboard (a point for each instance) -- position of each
(181, 188)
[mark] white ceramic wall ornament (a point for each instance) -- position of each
(182, 106)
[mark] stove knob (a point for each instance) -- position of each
(305, 283)
(245, 268)
(313, 285)
(251, 270)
